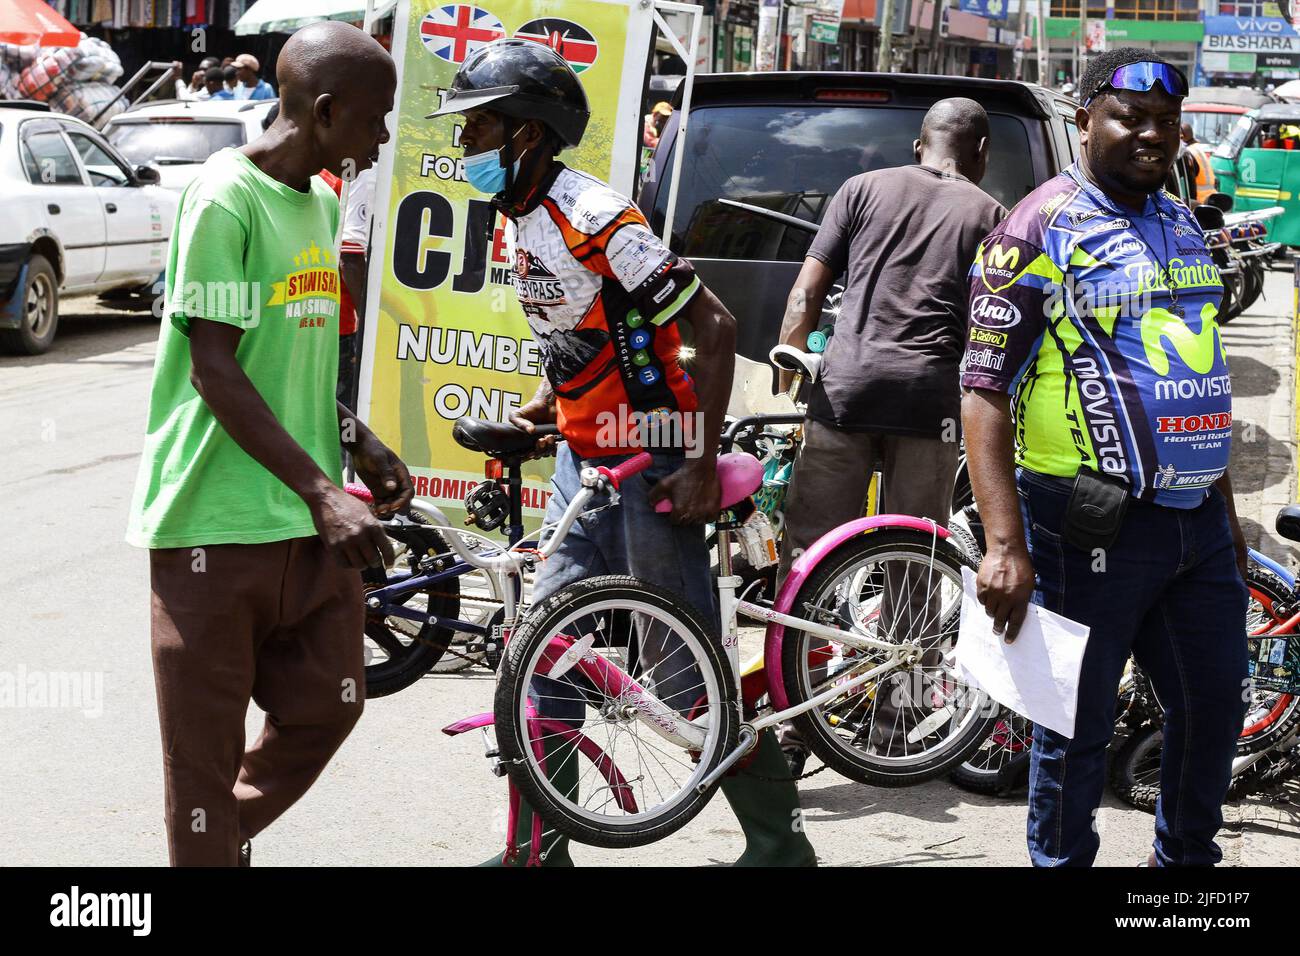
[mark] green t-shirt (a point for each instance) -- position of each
(249, 251)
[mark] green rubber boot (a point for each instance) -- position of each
(556, 847)
(768, 810)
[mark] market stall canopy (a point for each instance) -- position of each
(33, 22)
(1290, 90)
(285, 16)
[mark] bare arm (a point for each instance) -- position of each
(693, 488)
(538, 410)
(804, 308)
(1006, 575)
(346, 526)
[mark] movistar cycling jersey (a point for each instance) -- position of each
(601, 294)
(1102, 324)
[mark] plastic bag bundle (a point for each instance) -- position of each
(51, 73)
(85, 100)
(48, 72)
(13, 60)
(95, 62)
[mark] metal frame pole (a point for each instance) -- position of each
(696, 14)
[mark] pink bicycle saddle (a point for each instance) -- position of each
(740, 475)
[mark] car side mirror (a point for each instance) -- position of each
(147, 176)
(1221, 201)
(1208, 217)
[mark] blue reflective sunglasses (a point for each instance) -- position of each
(1140, 77)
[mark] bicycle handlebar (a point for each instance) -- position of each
(633, 466)
(741, 425)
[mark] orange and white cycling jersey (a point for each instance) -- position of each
(600, 292)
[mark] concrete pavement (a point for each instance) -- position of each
(83, 782)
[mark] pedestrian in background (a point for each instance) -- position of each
(903, 239)
(1098, 418)
(251, 86)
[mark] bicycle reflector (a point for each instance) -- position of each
(493, 469)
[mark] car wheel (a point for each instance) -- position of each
(38, 311)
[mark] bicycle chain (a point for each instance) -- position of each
(416, 639)
(767, 779)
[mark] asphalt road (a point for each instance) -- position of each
(83, 783)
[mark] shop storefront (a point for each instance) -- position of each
(1249, 51)
(1177, 41)
(734, 30)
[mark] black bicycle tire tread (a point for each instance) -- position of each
(508, 732)
(431, 648)
(829, 754)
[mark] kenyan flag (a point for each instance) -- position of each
(572, 41)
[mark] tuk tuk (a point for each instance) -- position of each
(1259, 166)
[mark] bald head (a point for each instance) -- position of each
(329, 57)
(954, 137)
(336, 86)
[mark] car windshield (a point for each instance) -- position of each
(1236, 138)
(792, 160)
(166, 141)
(1210, 128)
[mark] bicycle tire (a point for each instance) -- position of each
(407, 663)
(1004, 777)
(614, 593)
(1283, 714)
(1132, 768)
(869, 769)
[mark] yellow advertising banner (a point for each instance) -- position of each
(444, 333)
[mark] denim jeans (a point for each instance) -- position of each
(1169, 593)
(630, 539)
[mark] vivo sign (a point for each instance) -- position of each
(1247, 26)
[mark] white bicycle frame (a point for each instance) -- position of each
(507, 564)
(897, 655)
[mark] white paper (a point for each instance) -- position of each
(1037, 675)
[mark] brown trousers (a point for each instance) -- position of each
(279, 624)
(832, 473)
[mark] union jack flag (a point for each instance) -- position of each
(455, 31)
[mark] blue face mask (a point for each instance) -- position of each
(485, 172)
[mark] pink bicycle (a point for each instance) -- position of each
(619, 707)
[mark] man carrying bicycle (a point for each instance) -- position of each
(605, 300)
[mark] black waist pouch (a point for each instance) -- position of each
(1096, 510)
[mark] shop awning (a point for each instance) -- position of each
(285, 16)
(28, 22)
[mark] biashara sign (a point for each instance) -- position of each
(1252, 43)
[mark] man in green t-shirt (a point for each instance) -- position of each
(255, 550)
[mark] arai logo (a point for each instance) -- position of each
(994, 312)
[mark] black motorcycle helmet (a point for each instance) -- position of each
(524, 80)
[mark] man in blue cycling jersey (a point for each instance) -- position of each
(1098, 422)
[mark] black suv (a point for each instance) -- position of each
(765, 152)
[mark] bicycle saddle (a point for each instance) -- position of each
(1288, 522)
(496, 439)
(739, 473)
(791, 359)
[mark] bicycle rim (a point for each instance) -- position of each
(910, 723)
(617, 654)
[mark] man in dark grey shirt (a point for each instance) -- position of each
(903, 239)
